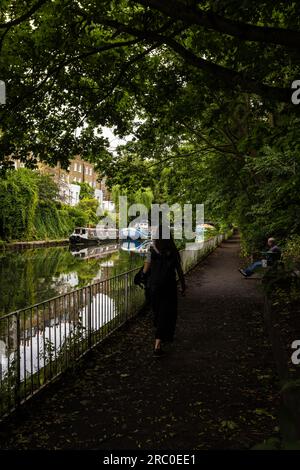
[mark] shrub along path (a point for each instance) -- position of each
(214, 388)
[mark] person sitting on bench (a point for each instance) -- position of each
(272, 254)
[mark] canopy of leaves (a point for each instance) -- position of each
(203, 87)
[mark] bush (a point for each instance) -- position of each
(292, 250)
(30, 210)
(86, 191)
(18, 202)
(89, 207)
(51, 222)
(79, 217)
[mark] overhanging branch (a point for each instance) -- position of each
(243, 31)
(223, 76)
(25, 16)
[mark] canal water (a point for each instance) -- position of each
(38, 342)
(33, 275)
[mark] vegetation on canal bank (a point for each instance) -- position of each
(30, 208)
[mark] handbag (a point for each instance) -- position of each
(140, 278)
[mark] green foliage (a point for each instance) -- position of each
(228, 154)
(51, 222)
(30, 209)
(86, 191)
(47, 188)
(292, 251)
(51, 60)
(18, 203)
(79, 217)
(89, 207)
(135, 195)
(283, 283)
(220, 130)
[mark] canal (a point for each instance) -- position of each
(33, 275)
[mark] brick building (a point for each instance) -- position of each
(79, 171)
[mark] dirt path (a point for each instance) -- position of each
(214, 388)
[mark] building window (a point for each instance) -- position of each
(75, 166)
(79, 168)
(91, 171)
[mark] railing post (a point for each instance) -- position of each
(90, 317)
(18, 363)
(126, 295)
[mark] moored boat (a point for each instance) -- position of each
(136, 246)
(135, 239)
(134, 233)
(93, 236)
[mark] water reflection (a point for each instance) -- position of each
(86, 302)
(48, 333)
(39, 342)
(93, 252)
(32, 276)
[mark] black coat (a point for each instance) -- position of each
(163, 293)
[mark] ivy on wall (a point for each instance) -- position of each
(30, 208)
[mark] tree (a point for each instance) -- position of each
(86, 191)
(56, 48)
(89, 207)
(204, 88)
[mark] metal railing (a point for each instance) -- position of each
(40, 342)
(195, 252)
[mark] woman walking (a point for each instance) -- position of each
(163, 261)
